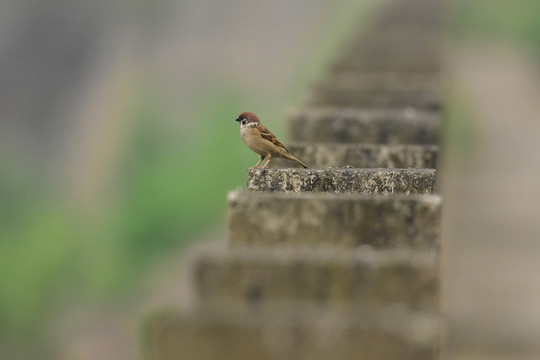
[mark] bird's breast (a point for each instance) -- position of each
(255, 142)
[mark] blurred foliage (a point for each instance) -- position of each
(171, 185)
(512, 21)
(37, 253)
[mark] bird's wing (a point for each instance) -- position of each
(267, 135)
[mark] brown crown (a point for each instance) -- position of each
(249, 116)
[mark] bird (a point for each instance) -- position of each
(261, 140)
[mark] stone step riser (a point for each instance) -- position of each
(392, 39)
(398, 51)
(395, 22)
(354, 125)
(380, 82)
(423, 100)
(322, 155)
(368, 51)
(389, 62)
(233, 335)
(412, 44)
(258, 276)
(427, 15)
(345, 221)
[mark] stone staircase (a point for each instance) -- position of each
(339, 261)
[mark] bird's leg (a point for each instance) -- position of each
(266, 163)
(260, 161)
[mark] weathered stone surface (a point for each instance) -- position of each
(420, 99)
(381, 81)
(292, 333)
(405, 38)
(373, 126)
(321, 155)
(411, 15)
(372, 89)
(399, 60)
(343, 180)
(329, 277)
(341, 221)
(401, 51)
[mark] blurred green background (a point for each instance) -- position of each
(515, 23)
(118, 140)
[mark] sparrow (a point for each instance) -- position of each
(261, 140)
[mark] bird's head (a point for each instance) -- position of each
(247, 118)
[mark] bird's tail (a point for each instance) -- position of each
(291, 157)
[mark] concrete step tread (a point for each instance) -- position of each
(343, 180)
(335, 220)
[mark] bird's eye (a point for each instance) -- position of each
(244, 122)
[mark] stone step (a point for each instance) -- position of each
(385, 59)
(397, 51)
(329, 220)
(428, 100)
(352, 89)
(321, 155)
(408, 18)
(227, 332)
(391, 58)
(372, 126)
(381, 81)
(407, 15)
(331, 278)
(398, 39)
(343, 180)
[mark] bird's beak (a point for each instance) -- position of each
(238, 119)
